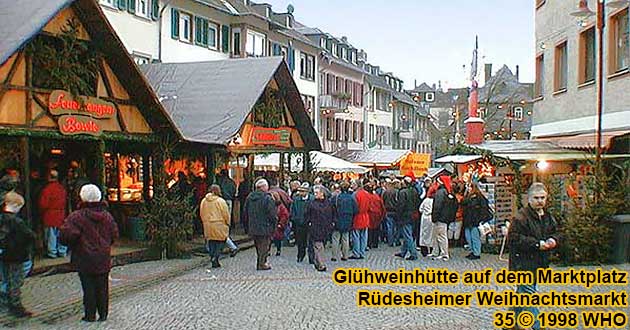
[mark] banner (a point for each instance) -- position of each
(418, 164)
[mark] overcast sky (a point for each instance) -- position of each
(428, 40)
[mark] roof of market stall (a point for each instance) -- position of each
(210, 101)
(373, 158)
(321, 162)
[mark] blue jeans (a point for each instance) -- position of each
(408, 243)
(529, 289)
(54, 247)
(5, 284)
(474, 239)
(389, 227)
(214, 249)
(359, 242)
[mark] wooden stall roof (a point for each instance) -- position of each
(20, 21)
(210, 101)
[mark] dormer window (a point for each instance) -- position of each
(289, 22)
(335, 50)
(322, 43)
(344, 53)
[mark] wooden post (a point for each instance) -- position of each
(307, 163)
(281, 172)
(146, 175)
(210, 164)
(26, 172)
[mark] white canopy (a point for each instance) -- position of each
(322, 162)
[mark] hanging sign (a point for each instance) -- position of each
(63, 103)
(271, 136)
(73, 125)
(415, 163)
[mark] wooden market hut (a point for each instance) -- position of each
(241, 107)
(72, 99)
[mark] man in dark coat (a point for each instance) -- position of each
(300, 227)
(90, 232)
(407, 200)
(443, 213)
(390, 199)
(262, 215)
(319, 217)
(345, 209)
(532, 236)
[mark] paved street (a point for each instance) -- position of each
(291, 296)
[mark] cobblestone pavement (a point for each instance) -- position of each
(291, 296)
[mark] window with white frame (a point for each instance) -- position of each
(109, 3)
(141, 59)
(213, 35)
(517, 113)
(255, 44)
(185, 27)
(334, 50)
(344, 53)
(143, 8)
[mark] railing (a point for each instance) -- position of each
(332, 102)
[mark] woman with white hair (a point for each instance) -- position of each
(262, 215)
(90, 232)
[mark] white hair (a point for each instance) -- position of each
(90, 193)
(536, 187)
(261, 183)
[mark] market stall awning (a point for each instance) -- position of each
(373, 158)
(531, 150)
(457, 159)
(210, 102)
(586, 140)
(321, 162)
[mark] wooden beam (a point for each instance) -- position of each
(42, 113)
(3, 88)
(29, 94)
(108, 88)
(7, 87)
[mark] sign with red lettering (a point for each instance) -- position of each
(418, 164)
(73, 125)
(62, 103)
(271, 136)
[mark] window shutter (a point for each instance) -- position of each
(174, 23)
(155, 9)
(198, 30)
(122, 4)
(131, 6)
(225, 38)
(291, 59)
(205, 33)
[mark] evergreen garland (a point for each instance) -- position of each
(268, 111)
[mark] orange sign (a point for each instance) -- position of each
(62, 103)
(73, 125)
(416, 163)
(271, 136)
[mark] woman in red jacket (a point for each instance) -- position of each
(361, 223)
(52, 208)
(377, 213)
(283, 220)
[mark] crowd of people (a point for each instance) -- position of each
(420, 215)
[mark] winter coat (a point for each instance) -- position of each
(16, 238)
(408, 203)
(376, 211)
(473, 208)
(362, 218)
(262, 214)
(345, 209)
(297, 209)
(52, 204)
(215, 217)
(319, 217)
(444, 206)
(228, 188)
(284, 196)
(390, 199)
(90, 233)
(283, 221)
(526, 231)
(426, 225)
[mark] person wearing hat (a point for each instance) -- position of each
(90, 232)
(298, 222)
(52, 208)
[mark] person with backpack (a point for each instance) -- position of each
(442, 214)
(476, 210)
(16, 242)
(345, 209)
